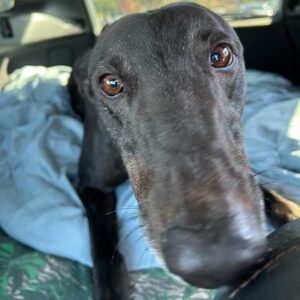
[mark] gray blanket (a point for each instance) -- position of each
(40, 140)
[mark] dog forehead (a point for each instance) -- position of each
(148, 40)
(186, 17)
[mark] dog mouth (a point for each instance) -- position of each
(207, 231)
(210, 254)
(204, 262)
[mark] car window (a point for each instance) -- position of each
(232, 10)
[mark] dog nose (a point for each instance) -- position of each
(210, 260)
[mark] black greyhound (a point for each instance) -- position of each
(163, 97)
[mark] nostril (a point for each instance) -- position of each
(207, 262)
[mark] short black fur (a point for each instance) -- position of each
(176, 131)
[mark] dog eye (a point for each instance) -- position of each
(221, 56)
(111, 85)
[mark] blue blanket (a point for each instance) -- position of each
(272, 132)
(39, 150)
(40, 139)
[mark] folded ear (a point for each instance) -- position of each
(104, 27)
(79, 85)
(100, 163)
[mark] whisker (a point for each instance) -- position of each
(258, 173)
(120, 241)
(143, 253)
(140, 237)
(132, 217)
(149, 256)
(267, 182)
(124, 208)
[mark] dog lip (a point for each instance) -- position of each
(204, 262)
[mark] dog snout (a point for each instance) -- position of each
(210, 259)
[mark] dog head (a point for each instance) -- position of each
(169, 85)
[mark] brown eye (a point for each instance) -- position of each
(111, 85)
(221, 56)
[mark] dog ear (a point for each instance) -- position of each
(100, 164)
(105, 27)
(78, 84)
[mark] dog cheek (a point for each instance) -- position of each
(152, 212)
(141, 177)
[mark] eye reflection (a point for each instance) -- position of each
(221, 56)
(111, 85)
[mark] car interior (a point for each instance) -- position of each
(51, 33)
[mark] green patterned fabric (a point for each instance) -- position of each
(157, 284)
(26, 274)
